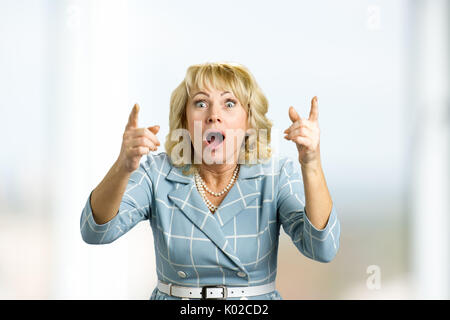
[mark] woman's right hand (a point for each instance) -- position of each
(136, 142)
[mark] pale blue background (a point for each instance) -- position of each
(71, 71)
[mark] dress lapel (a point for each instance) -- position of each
(189, 201)
(242, 195)
(187, 198)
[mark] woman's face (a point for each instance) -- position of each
(217, 123)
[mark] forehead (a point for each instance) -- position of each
(209, 90)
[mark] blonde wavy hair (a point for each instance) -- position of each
(222, 76)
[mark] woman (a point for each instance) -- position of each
(217, 198)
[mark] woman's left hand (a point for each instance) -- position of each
(306, 134)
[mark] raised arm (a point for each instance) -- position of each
(107, 196)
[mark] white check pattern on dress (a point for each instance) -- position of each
(235, 246)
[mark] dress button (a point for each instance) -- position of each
(241, 274)
(181, 274)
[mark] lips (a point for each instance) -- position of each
(214, 138)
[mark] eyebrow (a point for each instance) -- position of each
(201, 92)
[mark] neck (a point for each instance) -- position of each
(217, 175)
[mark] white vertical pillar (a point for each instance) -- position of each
(429, 190)
(109, 107)
(89, 113)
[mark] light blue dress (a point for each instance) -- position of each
(237, 245)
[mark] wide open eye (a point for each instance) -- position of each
(230, 104)
(200, 103)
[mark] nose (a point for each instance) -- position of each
(212, 118)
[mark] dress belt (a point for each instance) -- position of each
(214, 292)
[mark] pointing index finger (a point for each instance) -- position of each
(314, 113)
(133, 118)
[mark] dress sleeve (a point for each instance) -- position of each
(134, 207)
(320, 245)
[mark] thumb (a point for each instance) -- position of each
(133, 118)
(154, 129)
(293, 115)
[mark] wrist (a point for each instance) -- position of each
(120, 169)
(311, 170)
(311, 166)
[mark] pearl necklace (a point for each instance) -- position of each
(201, 186)
(208, 203)
(218, 194)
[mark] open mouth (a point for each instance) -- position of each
(214, 138)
